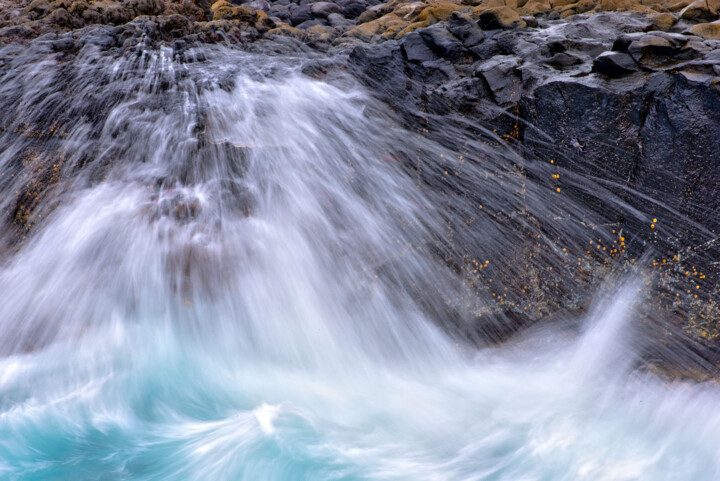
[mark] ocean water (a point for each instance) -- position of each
(236, 281)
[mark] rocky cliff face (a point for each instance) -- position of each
(613, 104)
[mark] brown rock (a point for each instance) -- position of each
(535, 7)
(411, 28)
(264, 23)
(285, 30)
(39, 7)
(700, 10)
(147, 7)
(408, 11)
(584, 6)
(497, 3)
(378, 27)
(677, 6)
(500, 17)
(241, 14)
(439, 12)
(708, 31)
(663, 21)
(175, 25)
(561, 3)
(319, 32)
(373, 13)
(117, 15)
(614, 5)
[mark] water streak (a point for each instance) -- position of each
(237, 280)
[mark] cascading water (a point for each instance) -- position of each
(234, 277)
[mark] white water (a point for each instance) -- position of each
(245, 307)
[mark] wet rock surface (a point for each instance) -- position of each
(622, 93)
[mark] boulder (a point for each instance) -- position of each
(614, 64)
(663, 21)
(337, 20)
(563, 60)
(373, 13)
(503, 79)
(415, 49)
(442, 42)
(323, 9)
(439, 12)
(378, 26)
(300, 14)
(465, 29)
(500, 17)
(223, 10)
(701, 10)
(285, 30)
(535, 7)
(708, 31)
(615, 5)
(351, 8)
(381, 67)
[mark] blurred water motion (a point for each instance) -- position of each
(237, 278)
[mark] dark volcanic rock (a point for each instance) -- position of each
(323, 9)
(415, 48)
(442, 42)
(614, 63)
(382, 67)
(503, 78)
(351, 8)
(300, 14)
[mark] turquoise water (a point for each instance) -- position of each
(142, 403)
(230, 290)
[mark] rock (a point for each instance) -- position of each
(503, 78)
(442, 42)
(381, 67)
(263, 5)
(415, 49)
(280, 11)
(656, 49)
(351, 8)
(63, 19)
(465, 29)
(147, 7)
(530, 21)
(563, 60)
(409, 11)
(535, 7)
(264, 23)
(300, 14)
(311, 23)
(376, 27)
(285, 30)
(337, 20)
(500, 17)
(432, 72)
(614, 64)
(485, 50)
(708, 31)
(373, 13)
(701, 10)
(222, 10)
(320, 32)
(323, 9)
(663, 21)
(175, 26)
(459, 95)
(615, 5)
(439, 12)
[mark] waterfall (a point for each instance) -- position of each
(222, 268)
